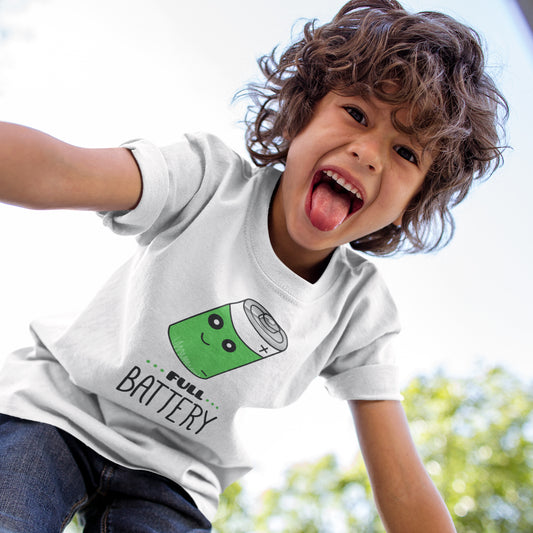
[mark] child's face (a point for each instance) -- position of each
(349, 139)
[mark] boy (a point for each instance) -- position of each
(128, 415)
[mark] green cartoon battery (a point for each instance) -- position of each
(226, 338)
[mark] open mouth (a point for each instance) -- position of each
(331, 200)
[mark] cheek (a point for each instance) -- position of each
(393, 201)
(297, 151)
(404, 187)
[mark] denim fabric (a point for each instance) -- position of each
(46, 476)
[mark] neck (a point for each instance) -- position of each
(299, 261)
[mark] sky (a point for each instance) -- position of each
(99, 73)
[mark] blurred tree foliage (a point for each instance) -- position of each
(475, 437)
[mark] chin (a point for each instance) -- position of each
(310, 238)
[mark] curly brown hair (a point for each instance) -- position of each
(455, 110)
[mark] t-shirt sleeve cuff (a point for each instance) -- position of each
(371, 382)
(155, 188)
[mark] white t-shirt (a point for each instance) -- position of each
(202, 321)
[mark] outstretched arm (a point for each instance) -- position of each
(40, 172)
(406, 498)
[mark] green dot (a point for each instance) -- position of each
(217, 406)
(148, 360)
(207, 400)
(212, 403)
(162, 370)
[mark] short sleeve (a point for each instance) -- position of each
(370, 373)
(363, 365)
(155, 190)
(171, 177)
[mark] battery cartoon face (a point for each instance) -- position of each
(226, 338)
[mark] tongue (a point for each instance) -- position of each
(328, 208)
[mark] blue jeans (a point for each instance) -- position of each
(47, 476)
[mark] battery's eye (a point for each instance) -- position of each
(215, 321)
(228, 345)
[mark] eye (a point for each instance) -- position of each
(228, 345)
(356, 114)
(215, 321)
(407, 154)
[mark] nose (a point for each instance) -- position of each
(368, 152)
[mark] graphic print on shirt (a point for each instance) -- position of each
(226, 338)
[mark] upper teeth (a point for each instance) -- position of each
(343, 183)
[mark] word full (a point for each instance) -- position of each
(185, 385)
